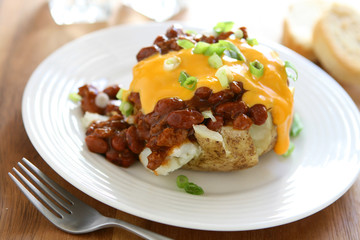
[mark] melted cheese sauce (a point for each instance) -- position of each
(154, 83)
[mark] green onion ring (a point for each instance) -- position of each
(190, 83)
(288, 65)
(215, 61)
(290, 150)
(75, 97)
(256, 68)
(182, 181)
(182, 77)
(184, 43)
(296, 126)
(126, 108)
(119, 94)
(194, 189)
(252, 41)
(201, 47)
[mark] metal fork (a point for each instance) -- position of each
(76, 217)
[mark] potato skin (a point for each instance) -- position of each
(231, 149)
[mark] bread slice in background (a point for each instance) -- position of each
(336, 42)
(299, 23)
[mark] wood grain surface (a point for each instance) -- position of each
(28, 35)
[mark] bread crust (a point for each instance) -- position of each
(336, 43)
(290, 40)
(298, 26)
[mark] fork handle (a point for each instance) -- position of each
(146, 234)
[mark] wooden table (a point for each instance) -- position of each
(28, 35)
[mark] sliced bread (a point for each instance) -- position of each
(299, 24)
(336, 42)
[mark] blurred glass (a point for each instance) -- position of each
(158, 10)
(81, 11)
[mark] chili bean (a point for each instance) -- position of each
(159, 40)
(112, 108)
(118, 124)
(163, 44)
(158, 127)
(167, 105)
(127, 158)
(118, 142)
(242, 122)
(224, 35)
(113, 156)
(88, 94)
(231, 109)
(171, 137)
(215, 126)
(111, 91)
(243, 29)
(134, 142)
(152, 143)
(103, 132)
(143, 130)
(155, 159)
(236, 87)
(258, 114)
(172, 45)
(96, 144)
(221, 97)
(197, 103)
(174, 31)
(208, 39)
(134, 97)
(146, 52)
(124, 158)
(203, 92)
(152, 118)
(184, 119)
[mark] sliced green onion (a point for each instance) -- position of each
(182, 181)
(172, 63)
(191, 32)
(290, 150)
(183, 76)
(215, 61)
(119, 94)
(292, 75)
(194, 189)
(239, 33)
(187, 81)
(232, 50)
(208, 114)
(201, 47)
(224, 75)
(256, 68)
(126, 108)
(223, 27)
(252, 41)
(215, 48)
(296, 126)
(75, 97)
(190, 83)
(184, 43)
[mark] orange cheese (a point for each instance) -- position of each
(153, 82)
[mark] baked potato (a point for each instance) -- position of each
(198, 102)
(227, 150)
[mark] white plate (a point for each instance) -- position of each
(323, 166)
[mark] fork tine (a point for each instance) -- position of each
(60, 201)
(49, 215)
(39, 194)
(65, 194)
